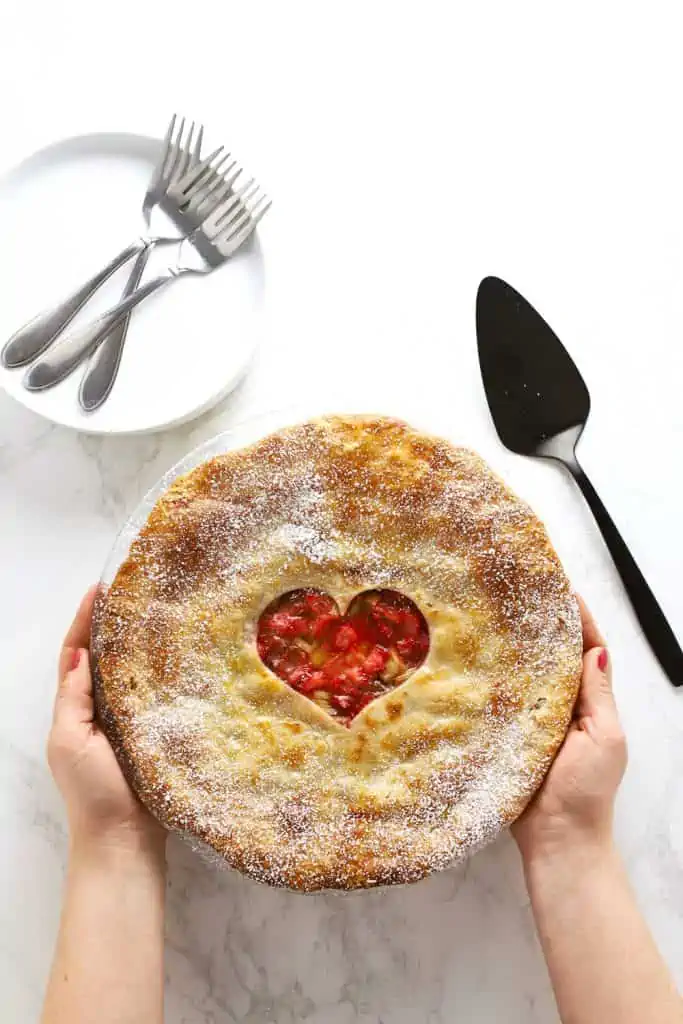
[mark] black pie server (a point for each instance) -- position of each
(540, 404)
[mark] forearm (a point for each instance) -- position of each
(603, 963)
(108, 966)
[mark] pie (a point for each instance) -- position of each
(342, 657)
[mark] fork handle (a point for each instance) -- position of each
(63, 358)
(31, 340)
(103, 366)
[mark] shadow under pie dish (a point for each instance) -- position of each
(342, 656)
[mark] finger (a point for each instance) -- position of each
(596, 693)
(79, 633)
(592, 637)
(74, 702)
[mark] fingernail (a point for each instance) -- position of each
(602, 659)
(76, 658)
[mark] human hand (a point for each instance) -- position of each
(100, 804)
(574, 807)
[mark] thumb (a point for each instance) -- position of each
(596, 693)
(74, 701)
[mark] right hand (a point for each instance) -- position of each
(575, 804)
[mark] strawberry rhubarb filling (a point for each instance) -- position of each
(342, 662)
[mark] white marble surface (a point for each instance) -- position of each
(410, 150)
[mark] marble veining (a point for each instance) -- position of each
(458, 946)
(544, 159)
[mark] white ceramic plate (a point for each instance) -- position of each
(65, 211)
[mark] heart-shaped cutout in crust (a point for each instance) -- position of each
(342, 662)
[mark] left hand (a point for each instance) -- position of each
(100, 804)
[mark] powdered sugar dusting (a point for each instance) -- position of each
(223, 751)
(306, 541)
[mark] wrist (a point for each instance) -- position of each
(557, 836)
(576, 856)
(119, 845)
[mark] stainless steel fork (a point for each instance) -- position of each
(184, 202)
(225, 228)
(226, 224)
(107, 358)
(180, 151)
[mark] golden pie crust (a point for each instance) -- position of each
(221, 749)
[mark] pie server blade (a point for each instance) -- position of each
(539, 404)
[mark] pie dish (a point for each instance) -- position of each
(343, 656)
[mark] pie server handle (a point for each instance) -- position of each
(657, 630)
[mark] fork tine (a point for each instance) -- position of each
(189, 182)
(238, 233)
(242, 190)
(248, 196)
(240, 197)
(198, 184)
(199, 192)
(214, 214)
(230, 179)
(258, 209)
(186, 153)
(240, 210)
(218, 189)
(228, 211)
(212, 172)
(197, 154)
(257, 214)
(184, 158)
(221, 208)
(178, 152)
(240, 216)
(213, 208)
(229, 183)
(167, 147)
(173, 151)
(229, 230)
